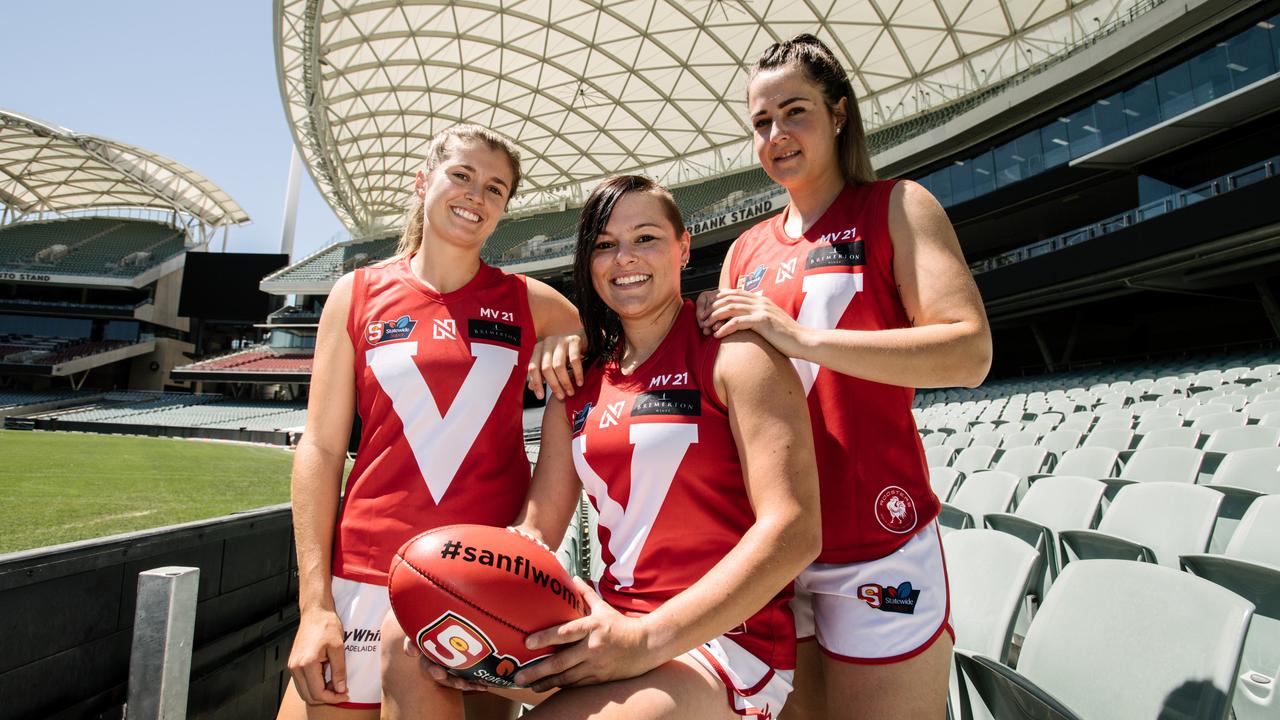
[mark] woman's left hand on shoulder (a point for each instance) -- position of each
(605, 645)
(736, 310)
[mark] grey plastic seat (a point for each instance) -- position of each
(1158, 421)
(1095, 462)
(939, 455)
(1079, 421)
(1209, 423)
(1250, 567)
(1059, 441)
(1205, 409)
(1024, 461)
(1154, 522)
(1247, 437)
(987, 577)
(1115, 438)
(1255, 410)
(974, 458)
(1119, 640)
(1249, 472)
(1161, 464)
(1053, 504)
(1022, 438)
(933, 439)
(1122, 419)
(987, 438)
(982, 492)
(987, 573)
(957, 440)
(1169, 437)
(944, 481)
(1271, 419)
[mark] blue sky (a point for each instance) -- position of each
(194, 81)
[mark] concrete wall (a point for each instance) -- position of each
(66, 616)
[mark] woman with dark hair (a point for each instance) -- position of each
(863, 285)
(429, 348)
(696, 453)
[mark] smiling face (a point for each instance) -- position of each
(465, 195)
(794, 129)
(636, 260)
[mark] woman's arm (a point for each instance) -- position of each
(770, 423)
(555, 489)
(949, 341)
(318, 464)
(558, 352)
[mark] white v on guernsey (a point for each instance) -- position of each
(439, 389)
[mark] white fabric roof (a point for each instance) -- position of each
(45, 168)
(589, 89)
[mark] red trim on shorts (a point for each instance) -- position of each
(357, 706)
(945, 626)
(730, 689)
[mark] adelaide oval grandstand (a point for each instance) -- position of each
(94, 235)
(1109, 168)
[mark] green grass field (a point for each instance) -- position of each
(60, 487)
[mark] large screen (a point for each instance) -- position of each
(224, 286)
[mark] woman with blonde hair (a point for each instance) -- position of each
(430, 348)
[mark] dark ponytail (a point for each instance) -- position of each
(822, 68)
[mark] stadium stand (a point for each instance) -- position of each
(112, 248)
(183, 410)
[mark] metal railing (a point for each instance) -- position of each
(1170, 203)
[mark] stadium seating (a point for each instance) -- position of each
(1250, 567)
(1152, 521)
(987, 575)
(1118, 640)
(185, 410)
(1054, 503)
(982, 492)
(95, 247)
(257, 359)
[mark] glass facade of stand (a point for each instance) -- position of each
(1229, 65)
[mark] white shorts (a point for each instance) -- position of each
(752, 688)
(879, 611)
(361, 607)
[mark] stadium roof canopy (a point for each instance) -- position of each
(50, 170)
(589, 89)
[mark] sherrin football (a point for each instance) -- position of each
(469, 595)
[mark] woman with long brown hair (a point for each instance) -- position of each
(863, 285)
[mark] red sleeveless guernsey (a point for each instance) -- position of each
(439, 388)
(657, 458)
(871, 466)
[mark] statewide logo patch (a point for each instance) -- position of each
(457, 644)
(580, 418)
(752, 281)
(900, 599)
(380, 331)
(895, 511)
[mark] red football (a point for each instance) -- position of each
(469, 595)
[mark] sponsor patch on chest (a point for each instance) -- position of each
(668, 402)
(493, 331)
(845, 254)
(380, 331)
